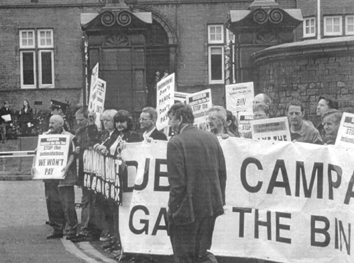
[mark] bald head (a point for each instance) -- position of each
(56, 123)
(262, 98)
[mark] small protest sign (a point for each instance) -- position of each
(200, 102)
(165, 90)
(51, 156)
(244, 122)
(239, 97)
(276, 129)
(345, 136)
(181, 97)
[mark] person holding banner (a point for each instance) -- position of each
(324, 104)
(60, 195)
(85, 137)
(301, 130)
(147, 120)
(331, 121)
(217, 122)
(197, 177)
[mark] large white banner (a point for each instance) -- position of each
(285, 202)
(165, 90)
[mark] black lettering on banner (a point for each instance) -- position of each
(267, 224)
(300, 170)
(158, 175)
(333, 184)
(323, 231)
(158, 226)
(346, 240)
(350, 192)
(279, 226)
(245, 163)
(279, 165)
(242, 211)
(144, 222)
(145, 181)
(125, 187)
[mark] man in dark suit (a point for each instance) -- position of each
(197, 177)
(148, 119)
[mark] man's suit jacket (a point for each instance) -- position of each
(197, 176)
(157, 135)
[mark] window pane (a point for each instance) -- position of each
(28, 70)
(216, 63)
(46, 62)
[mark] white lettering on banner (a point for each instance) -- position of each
(285, 202)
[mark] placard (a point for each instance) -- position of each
(244, 119)
(51, 156)
(276, 129)
(181, 97)
(345, 136)
(165, 90)
(239, 97)
(200, 102)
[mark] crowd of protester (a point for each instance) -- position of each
(100, 216)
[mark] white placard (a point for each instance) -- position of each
(51, 156)
(181, 96)
(94, 77)
(165, 89)
(239, 97)
(200, 102)
(276, 129)
(244, 119)
(345, 136)
(98, 96)
(6, 117)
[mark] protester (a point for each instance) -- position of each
(147, 120)
(231, 122)
(217, 122)
(331, 121)
(300, 130)
(25, 118)
(324, 104)
(85, 138)
(260, 111)
(6, 121)
(124, 124)
(59, 108)
(262, 98)
(197, 179)
(59, 194)
(108, 146)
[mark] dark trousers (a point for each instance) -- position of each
(191, 242)
(61, 207)
(89, 221)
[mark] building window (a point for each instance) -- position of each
(216, 42)
(216, 34)
(349, 25)
(309, 27)
(36, 58)
(333, 26)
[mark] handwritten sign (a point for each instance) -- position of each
(51, 156)
(165, 89)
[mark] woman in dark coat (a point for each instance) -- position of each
(26, 118)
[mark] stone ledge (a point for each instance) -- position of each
(306, 48)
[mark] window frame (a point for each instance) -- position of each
(305, 35)
(39, 38)
(347, 32)
(326, 33)
(221, 41)
(222, 80)
(40, 72)
(21, 39)
(31, 86)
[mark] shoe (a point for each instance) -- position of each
(82, 238)
(71, 237)
(55, 235)
(106, 237)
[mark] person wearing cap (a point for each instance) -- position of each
(147, 120)
(59, 108)
(324, 104)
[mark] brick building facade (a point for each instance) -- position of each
(189, 35)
